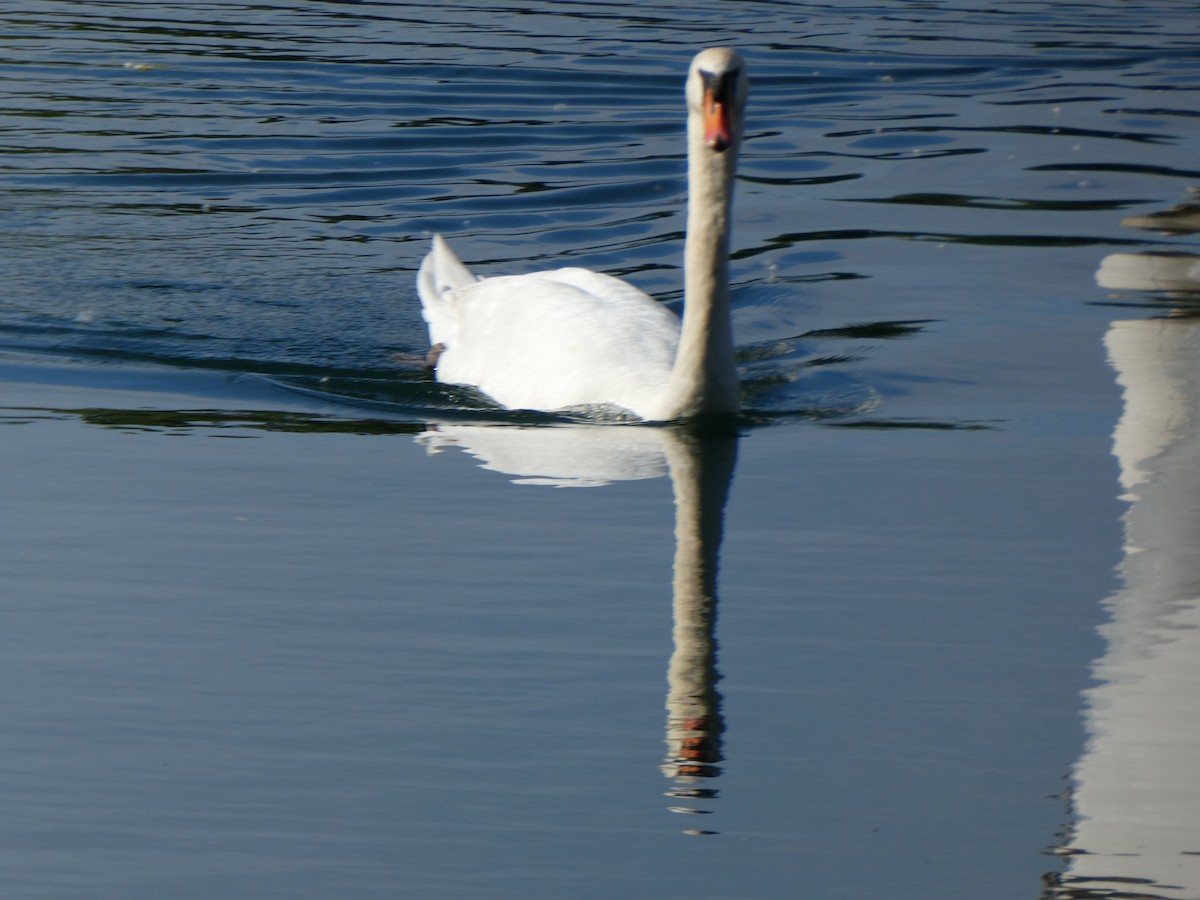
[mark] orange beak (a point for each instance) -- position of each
(718, 132)
(717, 105)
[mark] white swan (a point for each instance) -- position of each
(576, 339)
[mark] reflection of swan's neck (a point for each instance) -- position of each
(701, 470)
(704, 378)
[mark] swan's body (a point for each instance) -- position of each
(573, 338)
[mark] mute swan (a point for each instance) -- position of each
(576, 339)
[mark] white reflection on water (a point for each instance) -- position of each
(559, 456)
(701, 470)
(1137, 785)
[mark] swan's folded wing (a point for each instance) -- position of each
(559, 339)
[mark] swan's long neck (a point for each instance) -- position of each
(704, 378)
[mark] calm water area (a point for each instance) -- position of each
(281, 617)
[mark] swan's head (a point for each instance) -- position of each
(716, 92)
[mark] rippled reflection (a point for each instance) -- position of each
(701, 470)
(701, 474)
(1137, 785)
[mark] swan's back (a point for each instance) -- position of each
(562, 339)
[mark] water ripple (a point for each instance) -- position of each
(252, 190)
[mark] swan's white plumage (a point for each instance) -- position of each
(440, 276)
(562, 339)
(572, 338)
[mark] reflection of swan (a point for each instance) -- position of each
(701, 473)
(701, 470)
(559, 455)
(1137, 785)
(1150, 272)
(572, 338)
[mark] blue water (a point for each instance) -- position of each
(278, 622)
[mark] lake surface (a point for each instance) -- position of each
(282, 617)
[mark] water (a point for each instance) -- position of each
(278, 622)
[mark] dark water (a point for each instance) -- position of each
(267, 632)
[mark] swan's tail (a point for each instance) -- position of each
(441, 274)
